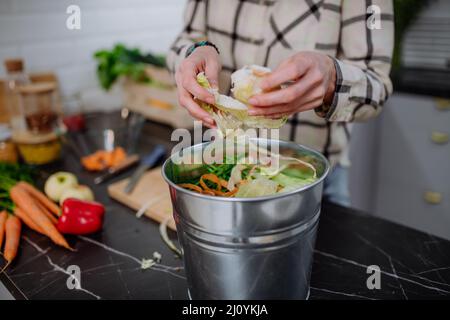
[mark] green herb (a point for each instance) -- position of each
(223, 171)
(123, 61)
(10, 174)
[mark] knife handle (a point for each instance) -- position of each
(152, 158)
(128, 162)
(124, 164)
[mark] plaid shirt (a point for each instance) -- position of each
(266, 32)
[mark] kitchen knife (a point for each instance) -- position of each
(147, 162)
(127, 163)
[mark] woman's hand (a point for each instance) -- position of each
(314, 78)
(204, 59)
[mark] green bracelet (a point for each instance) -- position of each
(200, 44)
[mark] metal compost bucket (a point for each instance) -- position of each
(248, 248)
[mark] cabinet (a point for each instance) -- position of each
(410, 168)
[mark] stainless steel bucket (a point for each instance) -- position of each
(248, 248)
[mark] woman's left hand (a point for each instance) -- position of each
(314, 78)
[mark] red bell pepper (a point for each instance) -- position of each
(80, 217)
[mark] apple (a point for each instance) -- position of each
(80, 192)
(58, 182)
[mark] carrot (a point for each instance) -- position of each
(12, 231)
(23, 199)
(42, 198)
(27, 220)
(220, 183)
(3, 217)
(118, 156)
(191, 186)
(47, 213)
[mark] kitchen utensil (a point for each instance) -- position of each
(147, 162)
(106, 131)
(69, 140)
(109, 139)
(114, 171)
(151, 187)
(248, 248)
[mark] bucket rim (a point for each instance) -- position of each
(295, 146)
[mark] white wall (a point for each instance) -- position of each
(36, 31)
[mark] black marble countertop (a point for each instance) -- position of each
(412, 264)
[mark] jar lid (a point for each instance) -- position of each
(26, 137)
(37, 88)
(14, 65)
(5, 132)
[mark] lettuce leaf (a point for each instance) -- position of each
(234, 112)
(291, 183)
(257, 188)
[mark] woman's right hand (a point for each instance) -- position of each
(204, 59)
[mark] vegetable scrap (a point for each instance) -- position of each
(242, 176)
(148, 263)
(102, 159)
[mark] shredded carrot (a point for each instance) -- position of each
(204, 189)
(191, 186)
(103, 159)
(213, 178)
(209, 193)
(225, 194)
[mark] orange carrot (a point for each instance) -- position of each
(23, 200)
(3, 217)
(12, 232)
(42, 198)
(47, 213)
(191, 186)
(27, 220)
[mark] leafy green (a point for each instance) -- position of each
(10, 174)
(234, 112)
(298, 172)
(291, 183)
(122, 61)
(257, 188)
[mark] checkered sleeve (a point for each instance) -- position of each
(363, 62)
(193, 31)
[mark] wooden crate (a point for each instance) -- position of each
(157, 103)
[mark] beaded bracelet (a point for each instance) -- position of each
(200, 44)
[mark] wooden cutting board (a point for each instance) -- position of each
(151, 190)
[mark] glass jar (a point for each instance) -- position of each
(8, 152)
(39, 149)
(15, 77)
(39, 143)
(74, 118)
(39, 102)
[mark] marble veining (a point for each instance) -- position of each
(407, 279)
(58, 268)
